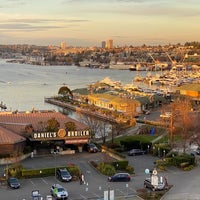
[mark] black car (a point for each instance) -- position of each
(63, 175)
(120, 177)
(92, 148)
(13, 183)
(198, 151)
(134, 152)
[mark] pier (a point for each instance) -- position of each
(100, 116)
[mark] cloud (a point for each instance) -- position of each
(38, 24)
(25, 27)
(146, 8)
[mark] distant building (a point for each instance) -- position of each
(192, 90)
(63, 45)
(115, 103)
(109, 44)
(103, 44)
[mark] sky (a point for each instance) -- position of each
(87, 23)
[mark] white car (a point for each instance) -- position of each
(59, 192)
(160, 186)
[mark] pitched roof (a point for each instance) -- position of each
(8, 137)
(18, 121)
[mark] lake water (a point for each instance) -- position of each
(23, 86)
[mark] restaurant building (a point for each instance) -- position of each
(29, 129)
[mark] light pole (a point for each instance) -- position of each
(55, 153)
(164, 153)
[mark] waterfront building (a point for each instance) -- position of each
(115, 103)
(192, 90)
(18, 128)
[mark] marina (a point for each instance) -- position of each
(30, 84)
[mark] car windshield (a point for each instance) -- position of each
(13, 180)
(61, 189)
(65, 173)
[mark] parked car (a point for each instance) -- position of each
(63, 175)
(92, 148)
(120, 177)
(160, 186)
(58, 192)
(198, 151)
(13, 183)
(36, 195)
(134, 152)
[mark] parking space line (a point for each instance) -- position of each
(133, 190)
(96, 195)
(32, 183)
(83, 196)
(45, 181)
(120, 191)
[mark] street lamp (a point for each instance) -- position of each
(164, 153)
(148, 148)
(55, 153)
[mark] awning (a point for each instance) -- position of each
(76, 141)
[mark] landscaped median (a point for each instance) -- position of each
(118, 163)
(17, 170)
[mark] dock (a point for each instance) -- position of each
(100, 116)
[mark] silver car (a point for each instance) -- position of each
(58, 192)
(160, 186)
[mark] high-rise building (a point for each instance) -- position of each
(63, 45)
(103, 44)
(109, 44)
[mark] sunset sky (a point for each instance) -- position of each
(88, 22)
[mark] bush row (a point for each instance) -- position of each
(20, 172)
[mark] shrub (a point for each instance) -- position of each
(130, 169)
(15, 170)
(184, 158)
(120, 165)
(27, 149)
(184, 164)
(106, 169)
(188, 168)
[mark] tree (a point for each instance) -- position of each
(179, 120)
(65, 92)
(98, 128)
(70, 126)
(52, 125)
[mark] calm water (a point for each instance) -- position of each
(23, 87)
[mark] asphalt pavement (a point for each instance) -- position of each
(185, 183)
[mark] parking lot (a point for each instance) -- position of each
(96, 183)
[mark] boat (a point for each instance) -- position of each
(141, 67)
(120, 65)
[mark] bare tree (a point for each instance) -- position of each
(98, 128)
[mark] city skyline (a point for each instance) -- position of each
(89, 22)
